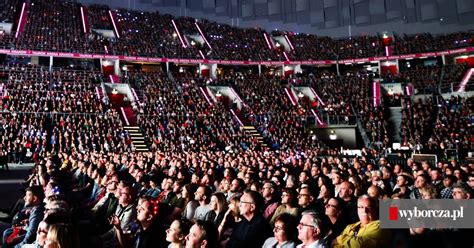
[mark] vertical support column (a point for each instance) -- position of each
(337, 69)
(214, 71)
(51, 63)
(443, 58)
(283, 70)
(117, 68)
(380, 67)
(167, 67)
(101, 68)
(259, 70)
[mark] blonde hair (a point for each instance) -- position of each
(63, 235)
(429, 190)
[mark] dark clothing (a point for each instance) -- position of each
(4, 161)
(350, 212)
(336, 229)
(250, 234)
(215, 219)
(154, 236)
(104, 212)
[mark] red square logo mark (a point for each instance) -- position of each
(393, 213)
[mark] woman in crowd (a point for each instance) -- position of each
(231, 218)
(218, 205)
(187, 192)
(284, 232)
(177, 232)
(62, 236)
(288, 204)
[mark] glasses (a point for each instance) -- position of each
(278, 228)
(306, 225)
(331, 205)
(365, 208)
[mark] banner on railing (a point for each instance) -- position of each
(231, 62)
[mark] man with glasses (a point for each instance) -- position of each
(306, 199)
(43, 229)
(366, 232)
(254, 229)
(311, 230)
(126, 212)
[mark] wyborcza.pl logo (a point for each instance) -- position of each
(440, 213)
(409, 214)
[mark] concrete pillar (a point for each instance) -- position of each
(214, 71)
(51, 63)
(117, 68)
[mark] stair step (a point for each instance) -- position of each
(133, 131)
(135, 134)
(131, 127)
(249, 127)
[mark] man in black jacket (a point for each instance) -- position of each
(254, 229)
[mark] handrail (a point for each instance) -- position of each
(442, 88)
(362, 132)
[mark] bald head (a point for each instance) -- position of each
(346, 190)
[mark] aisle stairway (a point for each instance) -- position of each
(138, 140)
(395, 122)
(256, 134)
